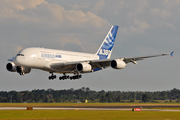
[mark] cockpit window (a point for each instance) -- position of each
(20, 55)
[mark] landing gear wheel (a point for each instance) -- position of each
(52, 77)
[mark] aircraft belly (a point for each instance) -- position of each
(66, 69)
(58, 71)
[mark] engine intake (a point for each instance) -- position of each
(118, 64)
(11, 67)
(84, 67)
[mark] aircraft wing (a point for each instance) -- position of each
(98, 64)
(134, 59)
(12, 59)
(71, 66)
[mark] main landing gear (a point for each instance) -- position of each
(65, 77)
(52, 76)
(75, 77)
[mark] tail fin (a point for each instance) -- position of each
(105, 50)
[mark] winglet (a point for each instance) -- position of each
(172, 53)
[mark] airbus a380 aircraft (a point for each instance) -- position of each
(67, 62)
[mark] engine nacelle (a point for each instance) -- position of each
(23, 70)
(11, 67)
(118, 64)
(84, 67)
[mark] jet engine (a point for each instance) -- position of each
(11, 67)
(23, 70)
(118, 64)
(84, 67)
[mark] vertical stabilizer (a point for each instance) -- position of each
(105, 50)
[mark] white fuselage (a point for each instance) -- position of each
(41, 58)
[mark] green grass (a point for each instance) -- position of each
(86, 115)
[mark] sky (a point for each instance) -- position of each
(146, 27)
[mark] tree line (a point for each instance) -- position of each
(84, 93)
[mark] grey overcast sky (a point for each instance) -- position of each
(146, 27)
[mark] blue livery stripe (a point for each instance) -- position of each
(105, 49)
